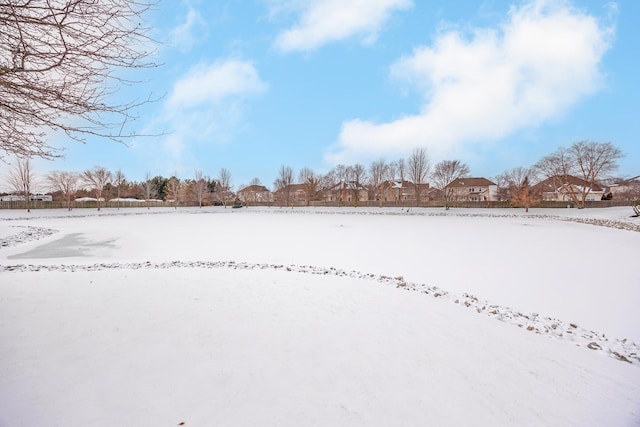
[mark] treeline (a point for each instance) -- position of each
(589, 161)
(102, 185)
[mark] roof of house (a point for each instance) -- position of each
(292, 188)
(403, 184)
(347, 185)
(631, 181)
(254, 188)
(554, 183)
(471, 182)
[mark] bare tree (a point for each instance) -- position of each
(557, 167)
(339, 176)
(283, 183)
(377, 174)
(311, 182)
(356, 176)
(327, 182)
(224, 185)
(392, 171)
(444, 173)
(60, 63)
(626, 189)
(21, 179)
(418, 168)
(401, 169)
(148, 188)
(64, 182)
(119, 180)
(96, 178)
(586, 160)
(199, 186)
(517, 184)
(173, 190)
(255, 181)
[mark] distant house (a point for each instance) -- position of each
(129, 200)
(89, 199)
(41, 197)
(11, 198)
(33, 198)
(255, 194)
(291, 194)
(628, 189)
(403, 191)
(346, 192)
(472, 190)
(567, 189)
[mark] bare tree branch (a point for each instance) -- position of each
(173, 190)
(418, 166)
(283, 183)
(516, 183)
(377, 174)
(21, 179)
(96, 178)
(64, 182)
(119, 180)
(199, 186)
(311, 183)
(224, 185)
(60, 63)
(445, 173)
(587, 161)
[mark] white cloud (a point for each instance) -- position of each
(212, 83)
(542, 60)
(183, 36)
(207, 105)
(325, 21)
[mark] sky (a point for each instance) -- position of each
(250, 85)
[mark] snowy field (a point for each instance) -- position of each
(318, 317)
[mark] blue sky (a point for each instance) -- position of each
(250, 85)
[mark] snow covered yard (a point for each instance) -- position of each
(301, 317)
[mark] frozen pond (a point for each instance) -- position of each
(276, 316)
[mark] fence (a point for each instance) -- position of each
(441, 204)
(38, 204)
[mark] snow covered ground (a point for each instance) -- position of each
(272, 316)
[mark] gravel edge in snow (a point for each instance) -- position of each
(629, 224)
(619, 349)
(28, 235)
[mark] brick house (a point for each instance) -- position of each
(562, 189)
(628, 189)
(255, 194)
(291, 194)
(346, 192)
(403, 191)
(472, 190)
